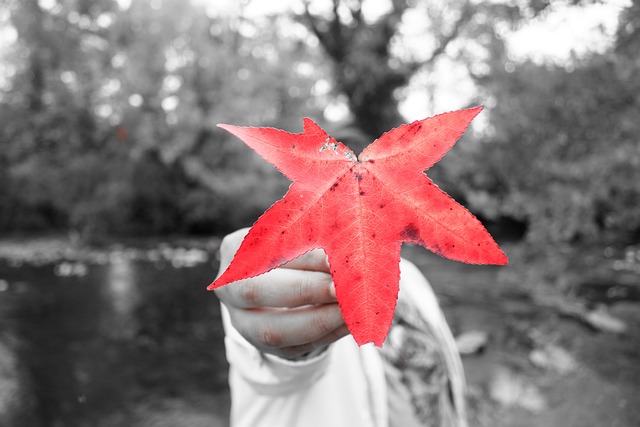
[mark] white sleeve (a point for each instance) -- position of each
(267, 374)
(343, 386)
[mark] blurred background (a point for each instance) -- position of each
(116, 187)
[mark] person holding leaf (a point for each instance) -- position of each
(293, 364)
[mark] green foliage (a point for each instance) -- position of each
(562, 154)
(109, 116)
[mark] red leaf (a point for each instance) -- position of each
(360, 211)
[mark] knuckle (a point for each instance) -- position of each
(257, 330)
(250, 293)
(302, 291)
(312, 288)
(326, 289)
(270, 337)
(322, 322)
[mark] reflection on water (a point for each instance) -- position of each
(130, 341)
(123, 295)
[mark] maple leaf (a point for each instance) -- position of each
(360, 210)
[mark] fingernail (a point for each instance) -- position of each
(332, 289)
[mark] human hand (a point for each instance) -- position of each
(290, 311)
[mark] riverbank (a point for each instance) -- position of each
(132, 319)
(551, 357)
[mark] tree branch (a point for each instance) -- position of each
(465, 16)
(331, 39)
(356, 13)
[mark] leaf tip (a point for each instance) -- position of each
(476, 110)
(310, 126)
(222, 280)
(216, 284)
(377, 335)
(496, 257)
(375, 341)
(502, 259)
(360, 341)
(225, 126)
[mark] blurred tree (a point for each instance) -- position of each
(365, 69)
(578, 181)
(562, 152)
(374, 56)
(102, 96)
(108, 112)
(45, 113)
(212, 69)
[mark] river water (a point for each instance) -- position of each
(113, 339)
(128, 336)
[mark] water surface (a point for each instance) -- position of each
(117, 340)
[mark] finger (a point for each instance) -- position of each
(280, 288)
(295, 352)
(278, 328)
(229, 246)
(315, 260)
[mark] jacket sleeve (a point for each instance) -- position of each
(342, 386)
(267, 374)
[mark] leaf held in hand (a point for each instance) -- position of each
(360, 210)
